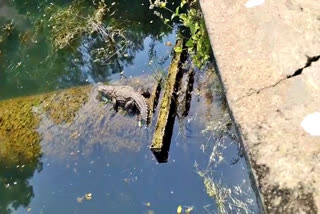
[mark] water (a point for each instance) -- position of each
(101, 162)
(28, 64)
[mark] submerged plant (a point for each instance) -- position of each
(197, 41)
(225, 198)
(66, 24)
(5, 31)
(88, 25)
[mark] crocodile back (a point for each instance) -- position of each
(126, 93)
(123, 94)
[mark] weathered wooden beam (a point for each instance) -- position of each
(163, 131)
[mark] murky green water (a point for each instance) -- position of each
(29, 65)
(101, 162)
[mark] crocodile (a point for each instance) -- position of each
(127, 97)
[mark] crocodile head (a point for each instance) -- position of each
(106, 90)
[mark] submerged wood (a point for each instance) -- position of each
(154, 99)
(163, 131)
(185, 94)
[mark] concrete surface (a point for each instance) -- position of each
(268, 60)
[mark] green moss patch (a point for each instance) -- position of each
(19, 140)
(62, 106)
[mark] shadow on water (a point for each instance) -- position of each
(16, 191)
(93, 160)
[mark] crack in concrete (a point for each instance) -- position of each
(257, 91)
(309, 62)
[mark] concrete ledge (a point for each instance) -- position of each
(268, 61)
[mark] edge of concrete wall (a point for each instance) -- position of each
(268, 60)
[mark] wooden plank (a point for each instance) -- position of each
(163, 131)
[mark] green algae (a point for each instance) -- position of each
(63, 105)
(20, 118)
(19, 140)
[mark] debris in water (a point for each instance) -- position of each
(168, 43)
(148, 204)
(179, 209)
(18, 64)
(188, 210)
(88, 196)
(80, 199)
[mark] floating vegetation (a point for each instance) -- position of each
(87, 196)
(147, 204)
